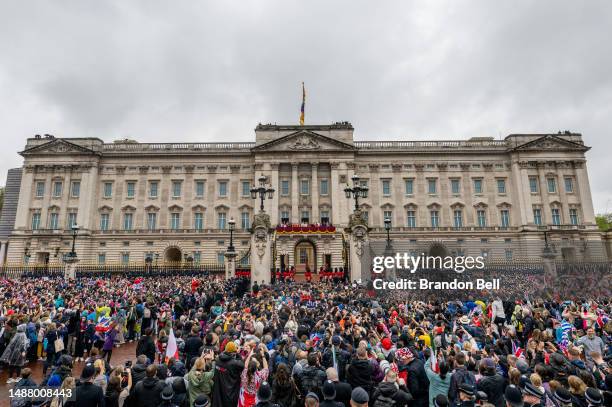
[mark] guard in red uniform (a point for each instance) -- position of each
(308, 274)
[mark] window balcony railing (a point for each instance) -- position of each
(163, 231)
(305, 229)
(446, 229)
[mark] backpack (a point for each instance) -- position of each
(384, 401)
(310, 381)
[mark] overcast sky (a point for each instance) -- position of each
(195, 70)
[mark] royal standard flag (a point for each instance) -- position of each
(303, 103)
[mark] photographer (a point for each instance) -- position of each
(119, 386)
(200, 377)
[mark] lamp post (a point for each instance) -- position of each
(262, 191)
(75, 231)
(356, 192)
(388, 229)
(232, 225)
(230, 254)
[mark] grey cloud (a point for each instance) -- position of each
(191, 70)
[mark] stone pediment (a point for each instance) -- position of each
(57, 147)
(304, 140)
(551, 142)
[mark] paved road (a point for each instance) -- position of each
(120, 355)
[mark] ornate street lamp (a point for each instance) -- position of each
(232, 225)
(75, 232)
(262, 191)
(388, 229)
(356, 192)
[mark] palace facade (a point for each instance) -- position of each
(173, 201)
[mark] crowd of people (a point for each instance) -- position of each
(212, 342)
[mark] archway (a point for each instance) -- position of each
(438, 250)
(172, 255)
(305, 256)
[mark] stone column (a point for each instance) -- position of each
(584, 189)
(22, 217)
(261, 249)
(295, 194)
(70, 267)
(230, 264)
(543, 190)
(337, 195)
(3, 252)
(272, 204)
(86, 215)
(314, 193)
(358, 241)
(521, 186)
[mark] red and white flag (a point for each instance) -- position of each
(171, 348)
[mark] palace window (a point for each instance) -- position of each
(573, 213)
(53, 220)
(75, 189)
(481, 215)
(175, 221)
(508, 254)
(101, 258)
(324, 187)
(478, 186)
(125, 258)
(128, 221)
(324, 217)
(198, 221)
(386, 187)
(305, 217)
(455, 186)
(108, 189)
(411, 218)
(556, 216)
(197, 257)
(153, 189)
(435, 218)
(458, 218)
(40, 189)
(57, 189)
(533, 184)
(569, 185)
(304, 187)
(71, 220)
(365, 215)
(222, 188)
(221, 220)
(199, 189)
(36, 221)
(388, 215)
(131, 189)
(151, 220)
(552, 185)
(537, 216)
(501, 186)
(284, 187)
(409, 186)
(246, 188)
(220, 258)
(104, 221)
(284, 217)
(244, 261)
(431, 186)
(176, 189)
(505, 218)
(245, 220)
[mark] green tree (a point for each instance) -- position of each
(604, 221)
